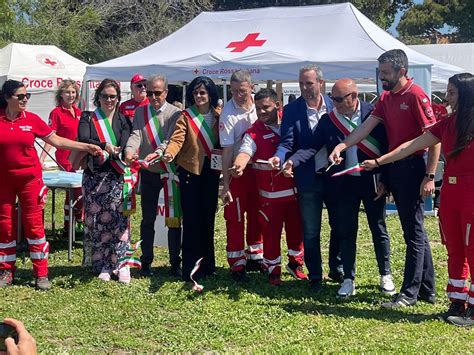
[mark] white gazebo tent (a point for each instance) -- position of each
(41, 69)
(272, 43)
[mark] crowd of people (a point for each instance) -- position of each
(277, 165)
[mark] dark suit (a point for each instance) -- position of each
(296, 133)
(348, 191)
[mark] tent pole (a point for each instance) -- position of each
(224, 90)
(184, 95)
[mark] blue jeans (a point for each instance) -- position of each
(311, 206)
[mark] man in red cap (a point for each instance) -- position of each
(138, 87)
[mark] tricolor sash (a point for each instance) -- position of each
(107, 135)
(201, 129)
(369, 145)
(173, 212)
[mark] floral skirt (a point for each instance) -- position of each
(106, 229)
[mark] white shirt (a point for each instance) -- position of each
(351, 153)
(209, 118)
(248, 145)
(314, 115)
(234, 121)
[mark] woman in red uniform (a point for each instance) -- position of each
(456, 133)
(64, 120)
(21, 177)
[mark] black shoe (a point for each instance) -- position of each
(315, 285)
(253, 265)
(240, 276)
(145, 271)
(465, 321)
(336, 276)
(456, 309)
(431, 298)
(399, 300)
(176, 271)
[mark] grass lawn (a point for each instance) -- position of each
(83, 315)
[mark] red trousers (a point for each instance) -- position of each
(245, 195)
(457, 231)
(272, 217)
(28, 190)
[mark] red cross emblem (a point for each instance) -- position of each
(196, 71)
(249, 41)
(49, 62)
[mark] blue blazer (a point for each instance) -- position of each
(327, 134)
(297, 134)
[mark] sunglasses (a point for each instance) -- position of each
(21, 97)
(106, 97)
(139, 86)
(201, 93)
(339, 99)
(154, 93)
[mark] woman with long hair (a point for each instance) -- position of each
(64, 120)
(195, 136)
(21, 176)
(456, 211)
(106, 232)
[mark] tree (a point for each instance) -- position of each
(423, 19)
(7, 17)
(382, 12)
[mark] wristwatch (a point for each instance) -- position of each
(430, 176)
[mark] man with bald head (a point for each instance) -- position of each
(349, 190)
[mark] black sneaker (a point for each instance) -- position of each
(6, 278)
(465, 321)
(399, 300)
(176, 271)
(253, 265)
(456, 309)
(429, 298)
(240, 276)
(315, 285)
(42, 283)
(336, 276)
(145, 271)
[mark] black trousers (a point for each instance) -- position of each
(350, 192)
(150, 186)
(199, 202)
(405, 178)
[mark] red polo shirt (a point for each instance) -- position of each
(463, 164)
(128, 107)
(65, 124)
(18, 156)
(405, 113)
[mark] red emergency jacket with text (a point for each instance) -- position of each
(272, 187)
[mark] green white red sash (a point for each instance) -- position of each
(201, 129)
(107, 135)
(352, 169)
(173, 212)
(369, 145)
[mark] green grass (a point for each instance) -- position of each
(83, 315)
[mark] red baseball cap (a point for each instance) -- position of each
(137, 78)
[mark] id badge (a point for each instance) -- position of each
(216, 159)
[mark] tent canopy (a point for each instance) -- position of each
(458, 54)
(40, 68)
(272, 43)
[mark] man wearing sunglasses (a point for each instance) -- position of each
(349, 190)
(139, 98)
(153, 124)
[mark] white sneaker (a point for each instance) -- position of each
(387, 285)
(347, 289)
